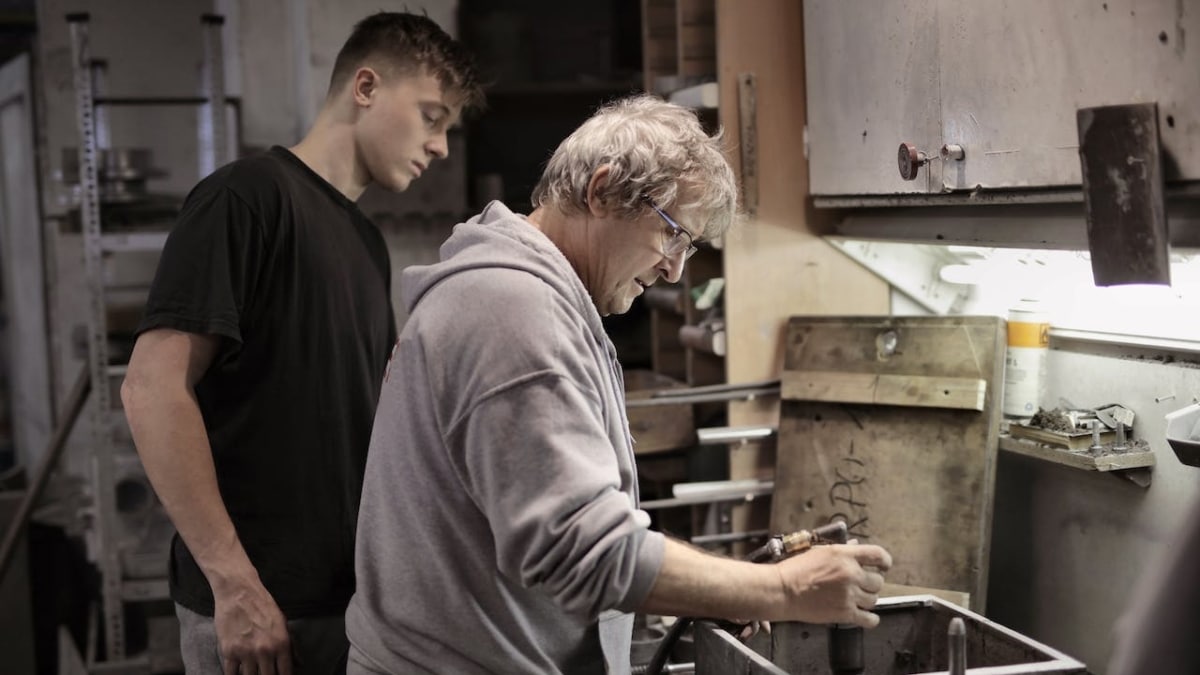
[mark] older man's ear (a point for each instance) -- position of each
(596, 204)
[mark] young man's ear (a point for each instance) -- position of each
(365, 83)
(595, 202)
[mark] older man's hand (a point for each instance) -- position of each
(834, 584)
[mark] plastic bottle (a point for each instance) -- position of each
(1025, 361)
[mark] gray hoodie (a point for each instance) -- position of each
(498, 531)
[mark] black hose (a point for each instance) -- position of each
(655, 667)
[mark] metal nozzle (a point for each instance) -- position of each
(781, 546)
(833, 533)
(802, 540)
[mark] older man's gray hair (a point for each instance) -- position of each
(656, 152)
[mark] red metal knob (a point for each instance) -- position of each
(910, 160)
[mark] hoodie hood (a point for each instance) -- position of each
(499, 238)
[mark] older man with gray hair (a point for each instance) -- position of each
(499, 530)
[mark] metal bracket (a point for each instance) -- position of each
(748, 130)
(108, 559)
(214, 141)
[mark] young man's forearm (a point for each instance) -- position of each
(171, 440)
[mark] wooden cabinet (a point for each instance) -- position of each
(872, 83)
(1001, 80)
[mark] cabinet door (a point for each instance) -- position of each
(872, 83)
(1013, 75)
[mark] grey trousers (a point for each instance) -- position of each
(319, 644)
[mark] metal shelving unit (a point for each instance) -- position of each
(107, 545)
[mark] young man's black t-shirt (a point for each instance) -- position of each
(296, 281)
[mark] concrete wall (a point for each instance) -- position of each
(1068, 545)
(286, 49)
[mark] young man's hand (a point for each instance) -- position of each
(252, 632)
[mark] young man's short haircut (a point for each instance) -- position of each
(409, 43)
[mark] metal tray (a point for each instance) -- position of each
(910, 639)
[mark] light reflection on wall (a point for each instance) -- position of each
(1062, 282)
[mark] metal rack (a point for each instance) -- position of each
(118, 588)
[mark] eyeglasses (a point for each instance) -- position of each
(679, 240)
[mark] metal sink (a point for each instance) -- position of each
(910, 639)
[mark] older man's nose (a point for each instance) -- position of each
(671, 267)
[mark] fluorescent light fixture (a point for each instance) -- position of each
(996, 278)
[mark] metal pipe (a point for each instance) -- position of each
(956, 647)
(714, 435)
(212, 132)
(58, 441)
(1121, 443)
(718, 388)
(688, 397)
(727, 494)
(705, 539)
(670, 668)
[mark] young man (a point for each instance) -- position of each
(256, 372)
(499, 530)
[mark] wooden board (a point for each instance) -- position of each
(916, 390)
(917, 480)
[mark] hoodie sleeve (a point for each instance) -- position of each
(541, 467)
(534, 451)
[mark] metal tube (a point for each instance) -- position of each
(213, 139)
(674, 399)
(1121, 441)
(75, 401)
(103, 491)
(99, 88)
(705, 539)
(680, 668)
(956, 647)
(714, 435)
